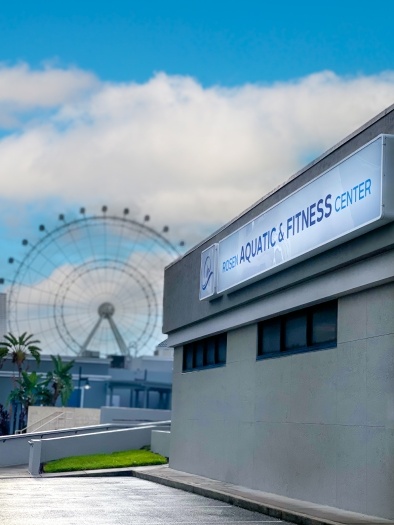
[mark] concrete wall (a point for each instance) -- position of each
(132, 415)
(317, 426)
(43, 418)
(14, 450)
(160, 442)
(43, 450)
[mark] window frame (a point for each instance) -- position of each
(328, 306)
(195, 346)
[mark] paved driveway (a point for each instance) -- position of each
(110, 501)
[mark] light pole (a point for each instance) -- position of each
(81, 388)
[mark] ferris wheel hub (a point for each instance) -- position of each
(106, 310)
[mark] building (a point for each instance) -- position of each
(142, 382)
(137, 382)
(3, 318)
(283, 328)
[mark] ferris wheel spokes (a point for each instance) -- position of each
(92, 283)
(106, 311)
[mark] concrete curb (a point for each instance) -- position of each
(238, 501)
(271, 510)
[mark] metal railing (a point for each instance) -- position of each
(56, 416)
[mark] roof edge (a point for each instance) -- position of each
(321, 157)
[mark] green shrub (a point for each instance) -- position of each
(128, 458)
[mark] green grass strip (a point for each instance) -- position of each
(128, 458)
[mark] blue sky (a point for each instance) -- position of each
(187, 111)
(226, 43)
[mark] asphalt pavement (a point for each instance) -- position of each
(152, 495)
(111, 500)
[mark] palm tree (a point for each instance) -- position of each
(4, 421)
(61, 380)
(30, 389)
(3, 353)
(19, 348)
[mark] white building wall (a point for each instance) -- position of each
(317, 426)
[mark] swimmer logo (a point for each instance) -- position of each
(207, 272)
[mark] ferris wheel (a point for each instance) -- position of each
(92, 285)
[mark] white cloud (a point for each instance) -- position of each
(190, 155)
(22, 87)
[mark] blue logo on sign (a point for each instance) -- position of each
(208, 273)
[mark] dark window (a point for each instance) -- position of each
(295, 331)
(188, 357)
(199, 355)
(308, 329)
(205, 353)
(269, 337)
(221, 343)
(324, 325)
(210, 352)
(117, 361)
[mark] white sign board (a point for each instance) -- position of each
(341, 203)
(208, 272)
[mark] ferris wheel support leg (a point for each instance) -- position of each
(119, 339)
(90, 337)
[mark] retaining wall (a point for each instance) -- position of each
(160, 442)
(132, 415)
(14, 450)
(43, 450)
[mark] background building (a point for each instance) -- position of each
(284, 347)
(3, 318)
(145, 383)
(141, 383)
(117, 381)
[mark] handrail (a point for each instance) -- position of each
(44, 421)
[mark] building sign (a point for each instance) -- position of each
(354, 196)
(208, 272)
